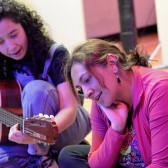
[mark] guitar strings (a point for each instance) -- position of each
(9, 119)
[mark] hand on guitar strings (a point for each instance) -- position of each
(17, 136)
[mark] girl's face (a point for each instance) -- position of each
(91, 87)
(13, 39)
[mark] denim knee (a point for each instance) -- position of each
(39, 97)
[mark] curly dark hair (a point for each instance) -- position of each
(38, 38)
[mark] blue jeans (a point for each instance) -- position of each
(74, 156)
(13, 155)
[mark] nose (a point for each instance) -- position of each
(10, 45)
(87, 92)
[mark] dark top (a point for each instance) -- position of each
(56, 67)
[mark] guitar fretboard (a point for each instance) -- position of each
(10, 119)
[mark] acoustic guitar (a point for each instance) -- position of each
(42, 129)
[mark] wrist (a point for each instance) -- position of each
(119, 130)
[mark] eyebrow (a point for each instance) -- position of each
(80, 79)
(13, 31)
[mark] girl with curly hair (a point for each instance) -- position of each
(24, 52)
(129, 114)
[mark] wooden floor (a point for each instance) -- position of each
(149, 43)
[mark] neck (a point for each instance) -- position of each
(127, 86)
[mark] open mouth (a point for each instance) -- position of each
(16, 52)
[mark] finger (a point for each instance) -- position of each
(15, 127)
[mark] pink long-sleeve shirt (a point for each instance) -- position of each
(150, 120)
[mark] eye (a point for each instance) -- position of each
(1, 42)
(14, 35)
(87, 80)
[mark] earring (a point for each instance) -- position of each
(115, 69)
(118, 79)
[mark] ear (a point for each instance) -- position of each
(111, 59)
(111, 62)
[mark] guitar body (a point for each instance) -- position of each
(10, 98)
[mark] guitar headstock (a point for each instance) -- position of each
(42, 129)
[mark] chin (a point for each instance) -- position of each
(19, 57)
(105, 104)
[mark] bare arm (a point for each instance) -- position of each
(68, 107)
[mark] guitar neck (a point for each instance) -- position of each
(10, 119)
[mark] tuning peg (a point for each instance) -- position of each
(40, 115)
(46, 116)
